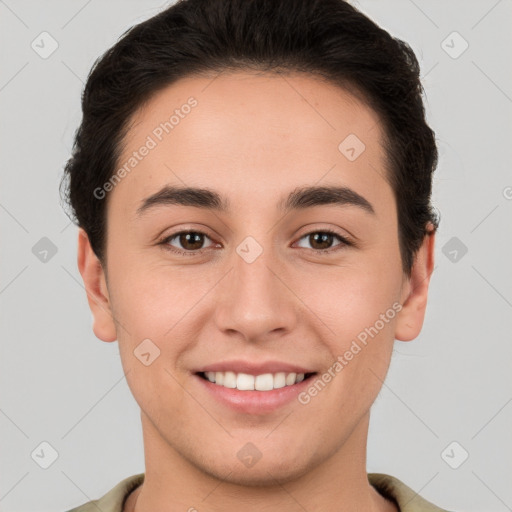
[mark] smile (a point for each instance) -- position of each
(247, 382)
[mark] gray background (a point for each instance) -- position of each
(63, 386)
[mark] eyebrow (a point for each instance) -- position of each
(299, 199)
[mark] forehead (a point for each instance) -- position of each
(251, 136)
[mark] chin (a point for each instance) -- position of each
(264, 473)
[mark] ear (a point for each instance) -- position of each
(96, 288)
(415, 291)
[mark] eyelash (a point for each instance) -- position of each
(165, 242)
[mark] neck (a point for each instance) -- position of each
(173, 483)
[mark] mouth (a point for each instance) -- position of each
(253, 387)
(263, 382)
(256, 395)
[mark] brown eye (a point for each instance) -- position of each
(190, 241)
(323, 240)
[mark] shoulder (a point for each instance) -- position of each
(406, 499)
(114, 499)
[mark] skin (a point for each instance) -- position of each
(254, 138)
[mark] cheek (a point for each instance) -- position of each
(152, 307)
(360, 306)
(164, 305)
(348, 300)
(360, 312)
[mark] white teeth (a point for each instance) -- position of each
(229, 380)
(290, 379)
(279, 380)
(246, 382)
(264, 382)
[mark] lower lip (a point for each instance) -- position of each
(254, 402)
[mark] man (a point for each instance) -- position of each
(252, 184)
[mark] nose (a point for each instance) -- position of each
(256, 302)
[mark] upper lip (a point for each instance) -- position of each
(252, 368)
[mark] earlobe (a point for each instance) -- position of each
(95, 284)
(414, 304)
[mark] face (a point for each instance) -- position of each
(243, 278)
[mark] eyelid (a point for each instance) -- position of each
(164, 241)
(344, 241)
